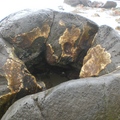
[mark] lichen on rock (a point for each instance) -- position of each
(24, 40)
(67, 41)
(50, 56)
(95, 61)
(43, 46)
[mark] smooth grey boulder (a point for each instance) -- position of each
(77, 2)
(72, 2)
(95, 98)
(109, 4)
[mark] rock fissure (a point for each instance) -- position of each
(51, 25)
(39, 107)
(104, 85)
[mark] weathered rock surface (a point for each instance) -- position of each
(95, 98)
(32, 32)
(110, 40)
(16, 81)
(98, 62)
(42, 42)
(53, 44)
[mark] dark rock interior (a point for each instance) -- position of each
(50, 75)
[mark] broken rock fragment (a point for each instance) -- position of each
(103, 57)
(95, 61)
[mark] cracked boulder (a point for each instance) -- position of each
(40, 49)
(94, 98)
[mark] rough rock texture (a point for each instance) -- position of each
(29, 31)
(22, 29)
(42, 37)
(83, 99)
(74, 35)
(37, 43)
(108, 39)
(52, 43)
(96, 60)
(16, 81)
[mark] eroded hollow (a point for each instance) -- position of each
(51, 75)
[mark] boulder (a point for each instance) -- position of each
(40, 45)
(109, 4)
(77, 2)
(72, 2)
(95, 98)
(31, 32)
(39, 49)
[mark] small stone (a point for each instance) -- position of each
(118, 28)
(116, 12)
(96, 15)
(117, 20)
